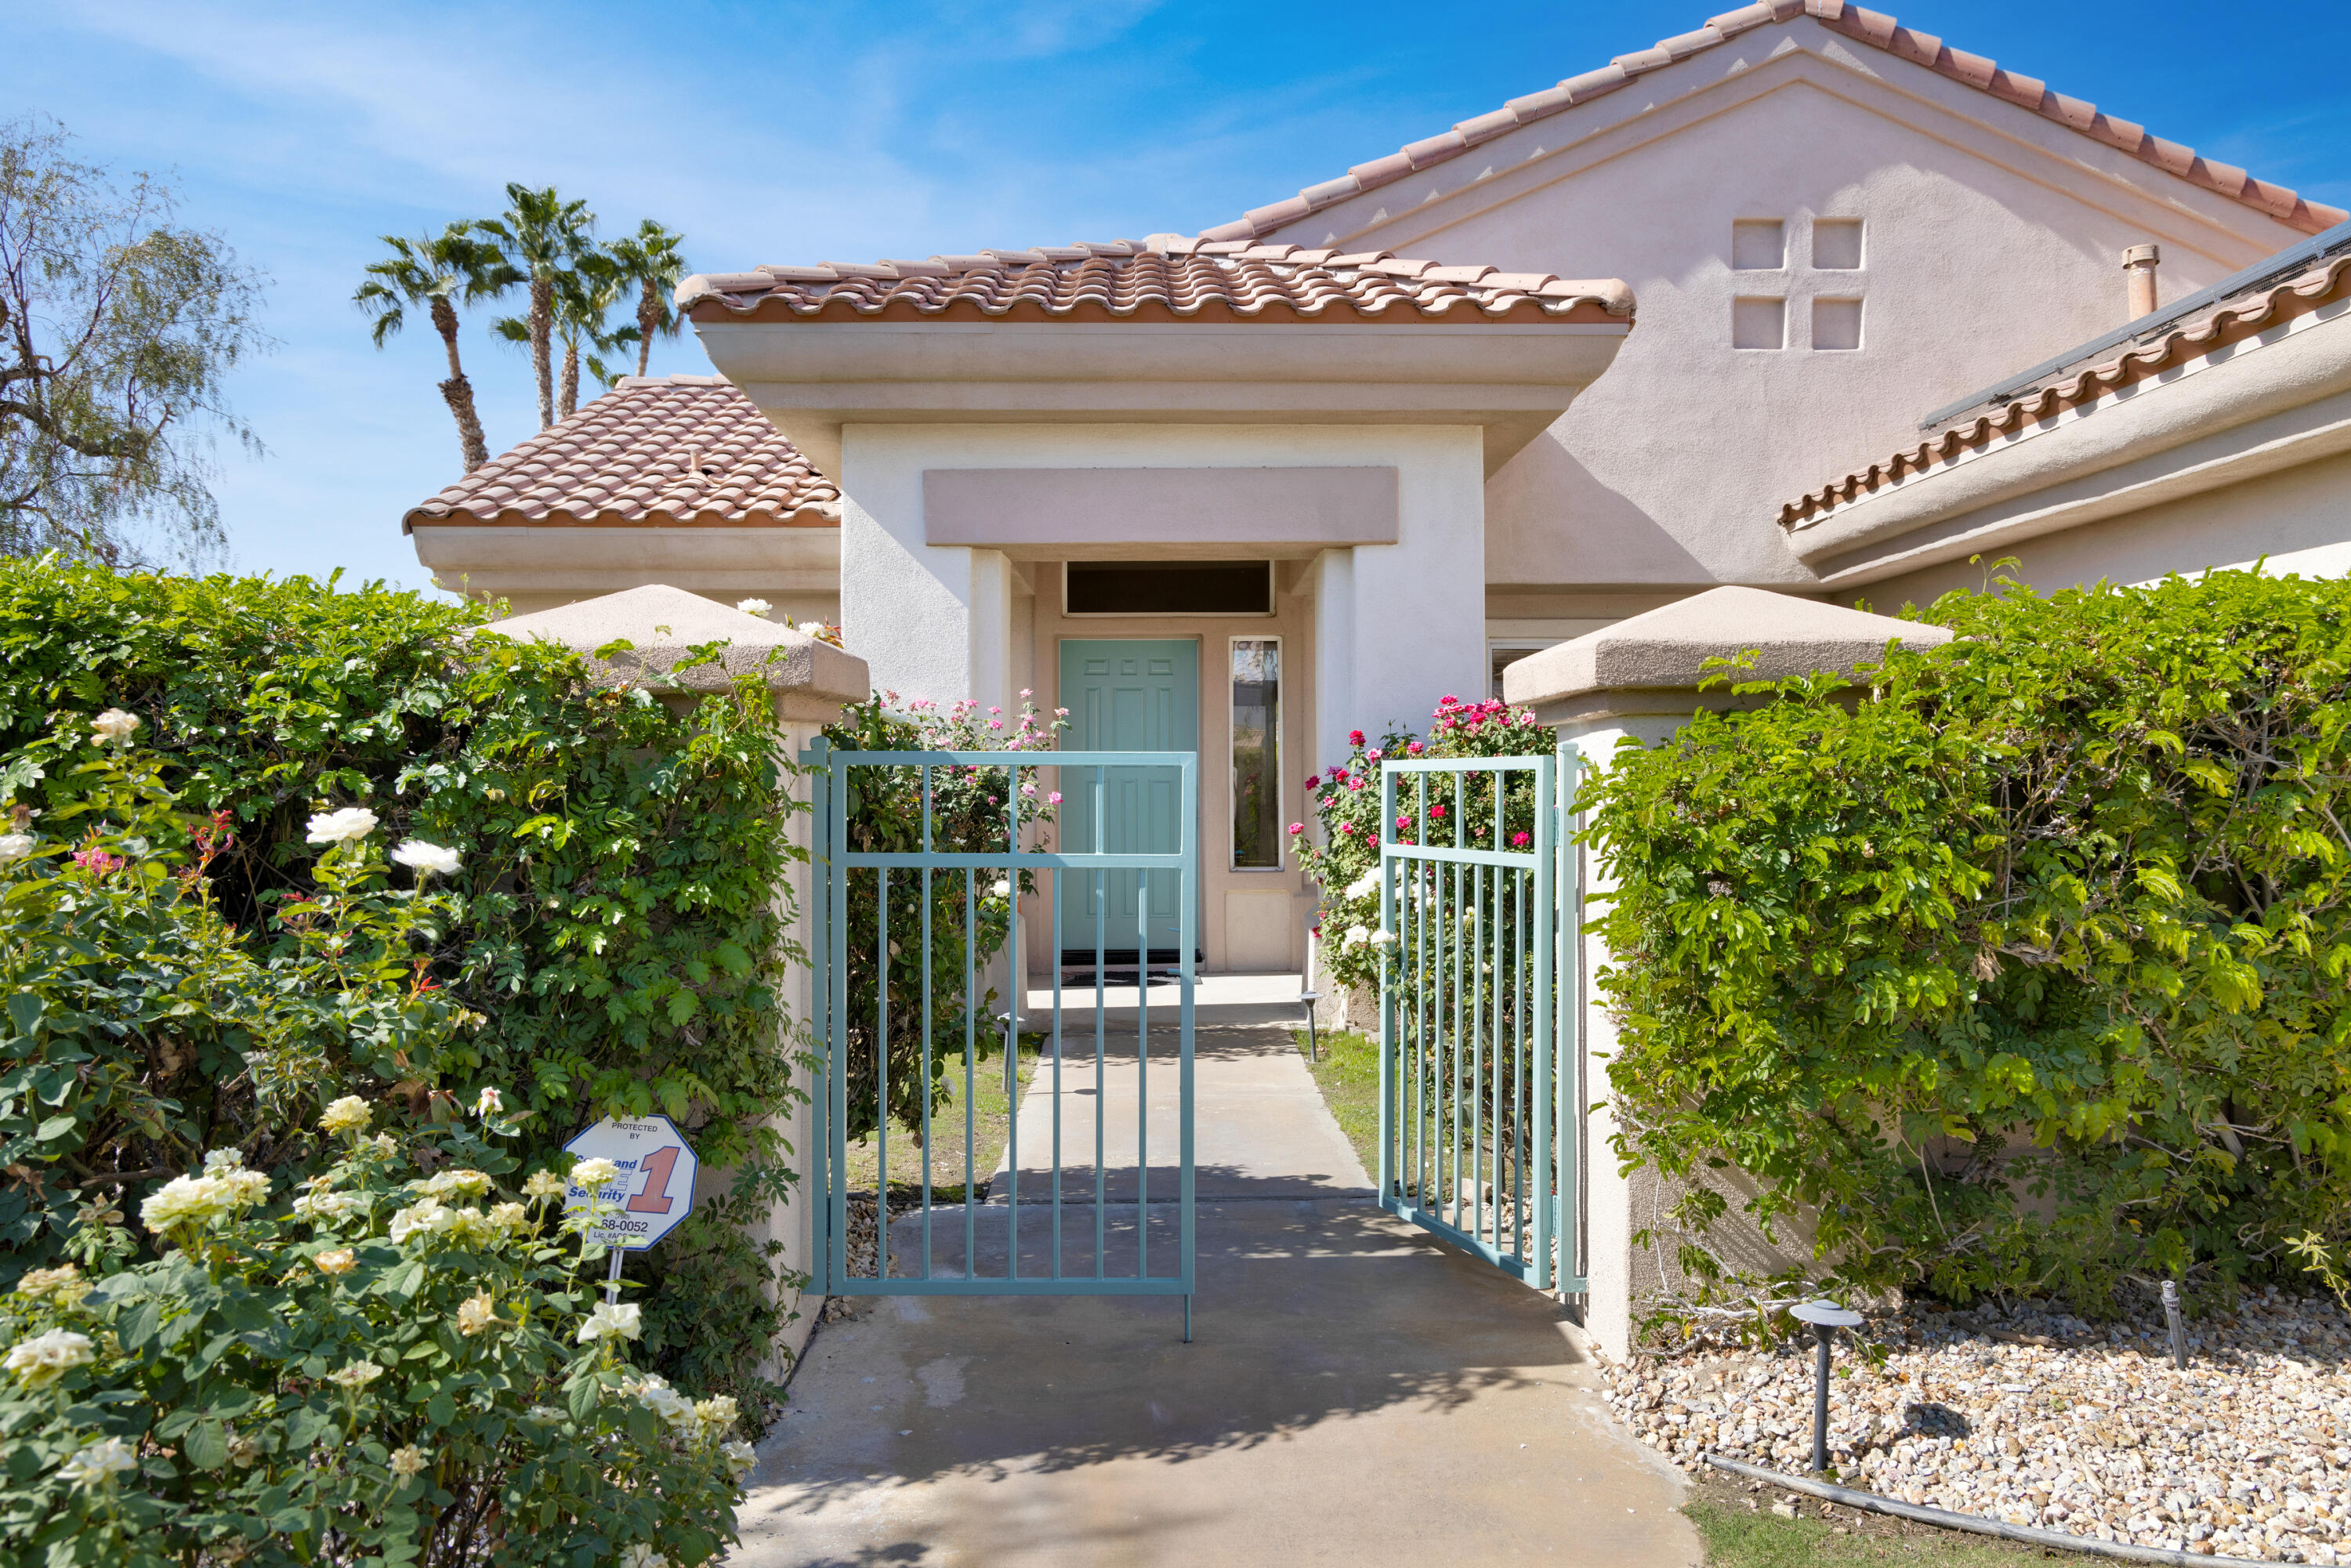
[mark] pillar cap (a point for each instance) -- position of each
(663, 622)
(1662, 654)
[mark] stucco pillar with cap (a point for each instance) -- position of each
(1639, 680)
(811, 682)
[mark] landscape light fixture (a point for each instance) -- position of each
(1825, 1318)
(1307, 999)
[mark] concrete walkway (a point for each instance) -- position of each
(1356, 1392)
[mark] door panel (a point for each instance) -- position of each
(1125, 697)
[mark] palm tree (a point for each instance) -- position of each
(583, 296)
(434, 272)
(650, 259)
(540, 236)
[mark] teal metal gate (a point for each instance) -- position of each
(1101, 1220)
(1479, 902)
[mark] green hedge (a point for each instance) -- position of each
(613, 926)
(2024, 971)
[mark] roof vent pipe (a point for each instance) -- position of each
(2138, 277)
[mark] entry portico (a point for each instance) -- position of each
(997, 423)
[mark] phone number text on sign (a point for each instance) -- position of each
(654, 1191)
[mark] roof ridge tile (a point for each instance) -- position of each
(1872, 27)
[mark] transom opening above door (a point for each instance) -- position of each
(1167, 587)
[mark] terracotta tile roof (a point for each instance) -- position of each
(1879, 31)
(2231, 320)
(655, 451)
(1164, 279)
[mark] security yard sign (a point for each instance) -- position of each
(654, 1191)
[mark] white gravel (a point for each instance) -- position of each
(2039, 1418)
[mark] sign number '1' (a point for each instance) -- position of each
(653, 1196)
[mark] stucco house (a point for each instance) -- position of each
(1364, 446)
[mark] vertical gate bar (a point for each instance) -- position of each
(1572, 1095)
(970, 1075)
(1390, 972)
(1454, 1106)
(1016, 982)
(881, 1076)
(820, 950)
(1521, 885)
(928, 1151)
(1102, 905)
(1546, 891)
(1499, 986)
(1142, 1074)
(1055, 873)
(1476, 1107)
(837, 1095)
(1424, 1001)
(1187, 888)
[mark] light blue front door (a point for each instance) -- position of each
(1125, 697)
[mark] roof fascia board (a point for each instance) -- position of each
(2136, 447)
(1664, 103)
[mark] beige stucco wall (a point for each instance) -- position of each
(1369, 631)
(1991, 240)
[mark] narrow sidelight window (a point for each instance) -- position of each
(1256, 752)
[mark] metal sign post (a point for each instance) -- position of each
(652, 1194)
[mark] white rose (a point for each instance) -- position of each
(489, 1102)
(740, 1455)
(348, 1115)
(183, 1200)
(39, 1363)
(595, 1175)
(607, 1319)
(408, 1461)
(1384, 938)
(356, 1375)
(97, 1463)
(113, 728)
(1365, 885)
(15, 847)
(475, 1313)
(759, 607)
(426, 860)
(1003, 888)
(459, 1180)
(348, 826)
(544, 1184)
(1356, 935)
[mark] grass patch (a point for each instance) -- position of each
(1349, 1077)
(989, 1113)
(1740, 1531)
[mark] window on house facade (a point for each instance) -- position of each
(1759, 245)
(1169, 587)
(1759, 323)
(1836, 323)
(1256, 752)
(1836, 244)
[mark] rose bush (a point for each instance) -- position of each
(391, 853)
(399, 1360)
(1346, 804)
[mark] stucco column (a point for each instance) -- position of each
(1639, 681)
(811, 682)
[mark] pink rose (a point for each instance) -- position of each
(1355, 738)
(1054, 799)
(1520, 840)
(1296, 828)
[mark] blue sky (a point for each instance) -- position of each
(790, 132)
